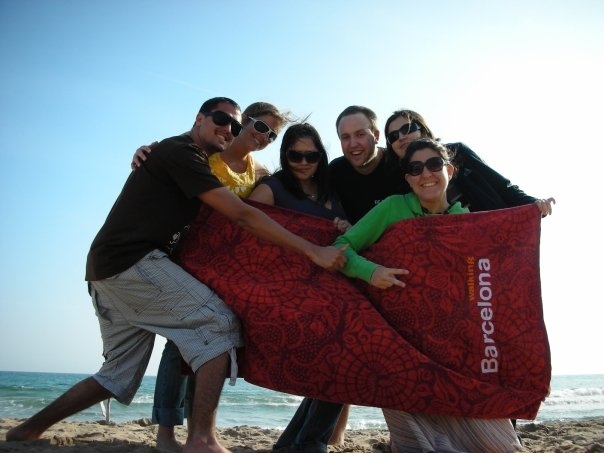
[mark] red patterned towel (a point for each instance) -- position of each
(465, 337)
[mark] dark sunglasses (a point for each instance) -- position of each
(434, 164)
(264, 128)
(404, 130)
(312, 157)
(221, 118)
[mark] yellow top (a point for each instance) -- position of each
(241, 184)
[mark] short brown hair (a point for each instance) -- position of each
(354, 109)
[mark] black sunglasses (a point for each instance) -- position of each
(264, 128)
(221, 118)
(404, 130)
(434, 164)
(312, 157)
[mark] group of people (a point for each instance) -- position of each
(139, 291)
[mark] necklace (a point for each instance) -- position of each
(425, 211)
(308, 190)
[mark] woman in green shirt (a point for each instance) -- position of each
(427, 169)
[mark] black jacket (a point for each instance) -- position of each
(480, 188)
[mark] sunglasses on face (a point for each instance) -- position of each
(434, 164)
(312, 157)
(264, 128)
(221, 118)
(404, 130)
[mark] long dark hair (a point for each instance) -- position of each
(412, 117)
(321, 176)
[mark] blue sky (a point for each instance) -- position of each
(84, 83)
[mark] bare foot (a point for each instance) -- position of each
(199, 446)
(21, 433)
(169, 445)
(166, 439)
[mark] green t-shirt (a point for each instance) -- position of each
(371, 227)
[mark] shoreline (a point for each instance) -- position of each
(584, 435)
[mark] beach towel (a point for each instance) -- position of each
(466, 337)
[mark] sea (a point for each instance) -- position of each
(22, 394)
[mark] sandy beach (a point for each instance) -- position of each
(139, 436)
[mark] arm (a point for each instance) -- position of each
(261, 225)
(364, 233)
(140, 155)
(263, 194)
(511, 194)
(485, 188)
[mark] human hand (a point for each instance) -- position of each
(341, 225)
(545, 206)
(385, 277)
(330, 258)
(140, 155)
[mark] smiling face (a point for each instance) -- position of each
(213, 137)
(253, 140)
(430, 186)
(399, 146)
(358, 140)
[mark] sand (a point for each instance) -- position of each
(139, 437)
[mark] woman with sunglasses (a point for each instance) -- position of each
(427, 169)
(477, 186)
(302, 184)
(235, 167)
